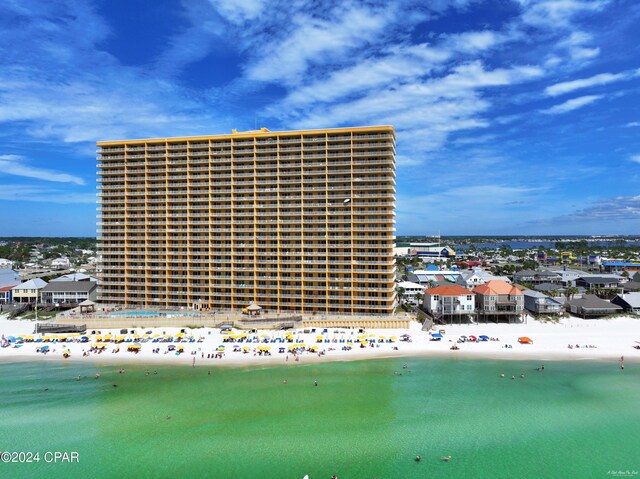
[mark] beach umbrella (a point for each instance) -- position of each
(29, 338)
(525, 340)
(473, 338)
(436, 335)
(11, 339)
(484, 337)
(44, 348)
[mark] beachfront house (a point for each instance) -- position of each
(538, 303)
(630, 302)
(551, 289)
(29, 291)
(590, 306)
(410, 291)
(449, 304)
(476, 277)
(6, 264)
(69, 292)
(499, 301)
(536, 277)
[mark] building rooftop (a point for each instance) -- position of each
(496, 287)
(453, 290)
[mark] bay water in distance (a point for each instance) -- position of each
(364, 419)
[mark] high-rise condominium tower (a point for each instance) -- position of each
(296, 221)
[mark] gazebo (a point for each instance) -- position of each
(253, 309)
(88, 306)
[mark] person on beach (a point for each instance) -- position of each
(315, 383)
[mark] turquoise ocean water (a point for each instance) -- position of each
(574, 420)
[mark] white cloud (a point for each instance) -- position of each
(313, 40)
(632, 124)
(572, 104)
(14, 165)
(236, 11)
(18, 192)
(596, 80)
(635, 158)
(557, 13)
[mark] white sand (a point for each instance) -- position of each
(612, 339)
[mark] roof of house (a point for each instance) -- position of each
(548, 287)
(74, 277)
(632, 299)
(532, 293)
(598, 279)
(496, 286)
(453, 290)
(70, 286)
(9, 278)
(483, 275)
(591, 301)
(35, 283)
(409, 285)
(526, 272)
(631, 286)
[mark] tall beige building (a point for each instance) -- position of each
(296, 221)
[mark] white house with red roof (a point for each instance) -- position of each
(449, 303)
(499, 301)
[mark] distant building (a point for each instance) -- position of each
(499, 301)
(536, 277)
(476, 277)
(69, 292)
(630, 302)
(427, 277)
(449, 304)
(621, 266)
(595, 282)
(29, 291)
(74, 277)
(6, 264)
(410, 291)
(61, 263)
(590, 306)
(428, 250)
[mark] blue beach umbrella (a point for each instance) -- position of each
(11, 339)
(436, 335)
(44, 348)
(484, 337)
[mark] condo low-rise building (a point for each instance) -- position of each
(69, 292)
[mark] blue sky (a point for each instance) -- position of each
(512, 117)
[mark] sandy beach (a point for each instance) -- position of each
(608, 339)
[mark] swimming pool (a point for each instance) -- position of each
(154, 314)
